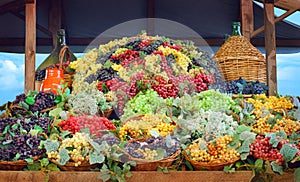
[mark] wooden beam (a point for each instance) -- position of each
(30, 45)
(247, 18)
(38, 26)
(55, 19)
(150, 16)
(14, 5)
(270, 45)
(7, 42)
(278, 19)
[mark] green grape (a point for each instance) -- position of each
(143, 103)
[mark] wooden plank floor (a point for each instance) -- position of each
(143, 176)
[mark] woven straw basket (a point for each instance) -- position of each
(239, 58)
(70, 166)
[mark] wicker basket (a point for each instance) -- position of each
(70, 166)
(238, 58)
(15, 165)
(65, 51)
(152, 165)
(106, 113)
(214, 165)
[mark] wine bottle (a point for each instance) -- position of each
(53, 59)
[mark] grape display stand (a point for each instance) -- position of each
(241, 176)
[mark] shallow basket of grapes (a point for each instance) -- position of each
(152, 165)
(15, 165)
(214, 165)
(70, 166)
(105, 113)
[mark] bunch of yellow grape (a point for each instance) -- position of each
(142, 127)
(215, 150)
(78, 143)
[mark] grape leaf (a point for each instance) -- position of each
(7, 142)
(160, 153)
(245, 147)
(228, 169)
(288, 152)
(85, 130)
(23, 104)
(276, 167)
(29, 160)
(34, 132)
(282, 134)
(44, 162)
(244, 156)
(132, 163)
(272, 122)
(40, 129)
(85, 151)
(242, 128)
(17, 156)
(96, 158)
(95, 145)
(30, 100)
(247, 135)
(169, 142)
(297, 175)
(259, 164)
(51, 145)
(52, 167)
(55, 112)
(63, 115)
(64, 156)
(15, 126)
(28, 142)
(273, 139)
(154, 133)
(6, 129)
(34, 167)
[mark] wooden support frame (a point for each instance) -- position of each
(150, 16)
(270, 45)
(55, 14)
(278, 19)
(12, 6)
(247, 18)
(30, 44)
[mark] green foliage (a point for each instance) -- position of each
(276, 168)
(96, 157)
(288, 152)
(51, 145)
(64, 156)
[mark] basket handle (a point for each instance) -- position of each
(64, 51)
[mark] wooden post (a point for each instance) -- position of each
(30, 44)
(55, 19)
(247, 18)
(150, 16)
(270, 45)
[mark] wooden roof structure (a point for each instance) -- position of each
(36, 33)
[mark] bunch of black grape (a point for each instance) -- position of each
(41, 74)
(241, 86)
(43, 100)
(110, 139)
(153, 46)
(133, 44)
(26, 146)
(103, 74)
(170, 145)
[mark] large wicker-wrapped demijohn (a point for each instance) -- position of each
(239, 58)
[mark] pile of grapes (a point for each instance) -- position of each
(145, 126)
(75, 149)
(19, 137)
(33, 102)
(212, 151)
(130, 65)
(97, 125)
(264, 149)
(242, 86)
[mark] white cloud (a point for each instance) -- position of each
(11, 75)
(290, 73)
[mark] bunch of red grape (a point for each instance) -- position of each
(202, 81)
(164, 88)
(261, 148)
(126, 57)
(96, 124)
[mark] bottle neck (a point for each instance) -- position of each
(61, 40)
(236, 30)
